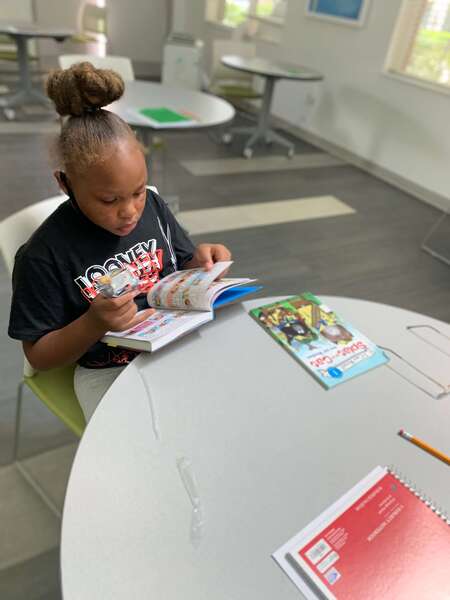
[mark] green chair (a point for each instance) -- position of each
(54, 387)
(234, 86)
(231, 84)
(92, 23)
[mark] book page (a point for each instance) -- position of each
(160, 328)
(186, 290)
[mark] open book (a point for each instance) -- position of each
(381, 540)
(185, 300)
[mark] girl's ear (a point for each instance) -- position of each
(61, 180)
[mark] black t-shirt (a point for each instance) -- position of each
(55, 271)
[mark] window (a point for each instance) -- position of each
(421, 44)
(274, 9)
(234, 12)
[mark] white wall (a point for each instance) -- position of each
(137, 28)
(20, 10)
(57, 14)
(188, 16)
(396, 125)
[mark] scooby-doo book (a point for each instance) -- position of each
(328, 347)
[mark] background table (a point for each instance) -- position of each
(21, 33)
(207, 110)
(271, 71)
(269, 448)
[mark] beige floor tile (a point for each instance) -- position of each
(224, 166)
(260, 214)
(28, 527)
(52, 469)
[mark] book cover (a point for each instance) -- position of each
(330, 348)
(162, 117)
(380, 541)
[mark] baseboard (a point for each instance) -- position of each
(414, 189)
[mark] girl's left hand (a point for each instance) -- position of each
(207, 254)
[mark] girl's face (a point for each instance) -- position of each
(112, 193)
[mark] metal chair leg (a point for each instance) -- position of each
(424, 246)
(21, 467)
(18, 421)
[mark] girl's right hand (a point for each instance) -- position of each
(116, 314)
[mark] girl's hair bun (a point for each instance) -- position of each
(82, 89)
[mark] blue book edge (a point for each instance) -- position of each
(233, 294)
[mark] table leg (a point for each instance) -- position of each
(263, 131)
(24, 66)
(146, 136)
(25, 92)
(262, 126)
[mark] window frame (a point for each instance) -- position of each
(401, 45)
(215, 13)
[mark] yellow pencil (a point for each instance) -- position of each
(407, 436)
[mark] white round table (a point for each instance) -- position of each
(268, 447)
(271, 71)
(21, 33)
(207, 110)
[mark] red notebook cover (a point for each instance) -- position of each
(387, 545)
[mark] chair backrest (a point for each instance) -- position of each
(120, 64)
(15, 231)
(17, 228)
(223, 47)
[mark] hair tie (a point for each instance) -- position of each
(92, 109)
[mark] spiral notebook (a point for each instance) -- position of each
(382, 540)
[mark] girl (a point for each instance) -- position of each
(109, 220)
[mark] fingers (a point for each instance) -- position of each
(124, 299)
(208, 254)
(204, 256)
(142, 316)
(116, 302)
(130, 319)
(220, 253)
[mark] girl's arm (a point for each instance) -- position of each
(66, 345)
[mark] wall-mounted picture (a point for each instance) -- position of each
(347, 12)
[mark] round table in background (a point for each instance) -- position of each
(21, 33)
(272, 71)
(206, 110)
(267, 446)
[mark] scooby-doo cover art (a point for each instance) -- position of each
(331, 349)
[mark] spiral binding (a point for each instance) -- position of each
(423, 497)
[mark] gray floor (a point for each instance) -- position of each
(373, 253)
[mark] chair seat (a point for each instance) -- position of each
(55, 389)
(235, 91)
(11, 55)
(82, 38)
